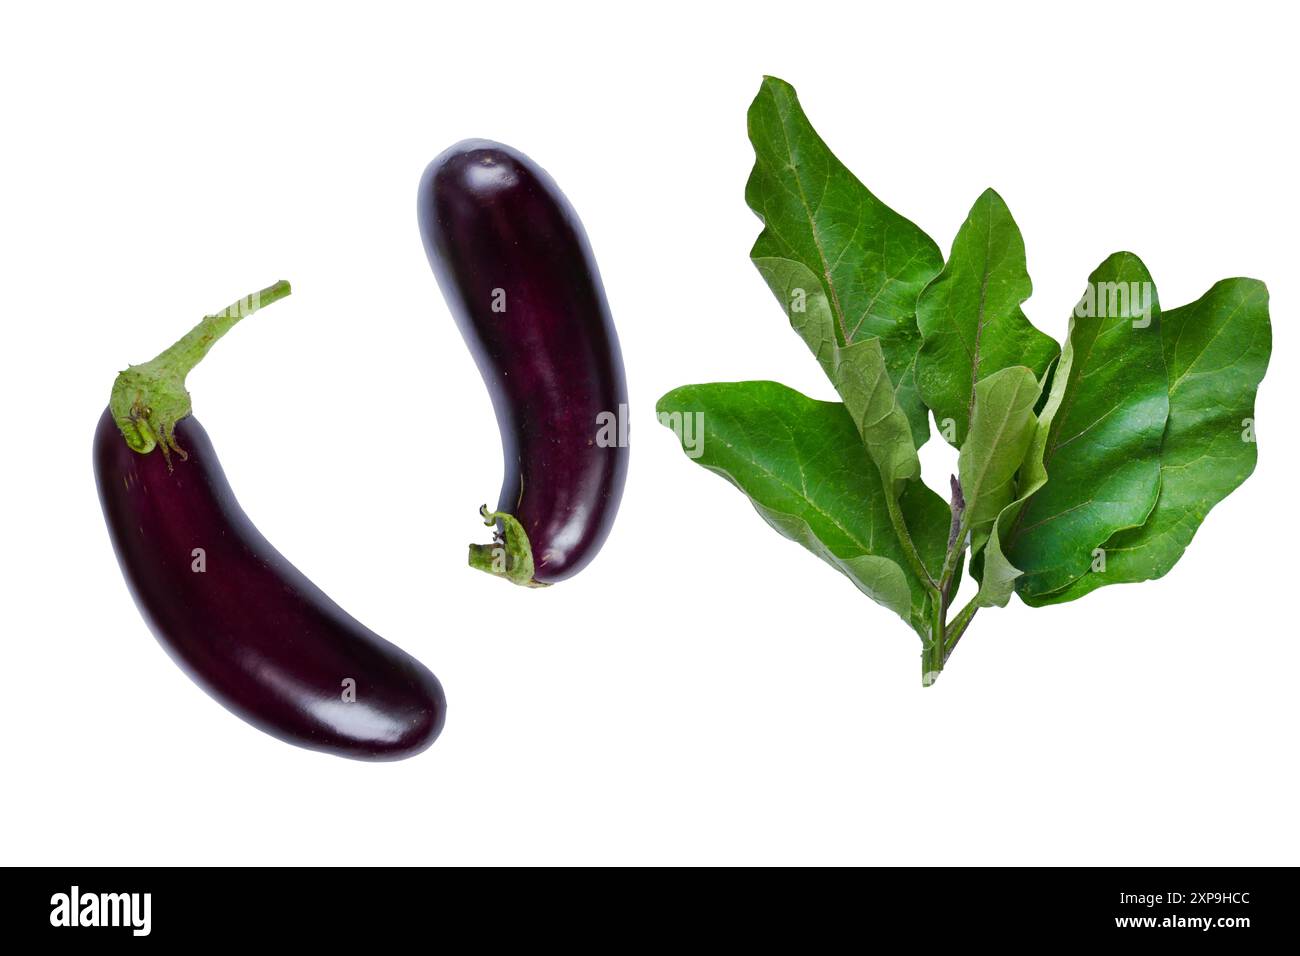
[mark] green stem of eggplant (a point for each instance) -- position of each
(510, 556)
(149, 399)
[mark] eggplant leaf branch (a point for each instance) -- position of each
(1079, 465)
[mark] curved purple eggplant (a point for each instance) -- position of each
(243, 622)
(515, 266)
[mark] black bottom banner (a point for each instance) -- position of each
(133, 907)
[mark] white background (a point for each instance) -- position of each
(705, 692)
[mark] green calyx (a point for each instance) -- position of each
(149, 399)
(510, 555)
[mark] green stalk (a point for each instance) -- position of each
(958, 626)
(149, 399)
(932, 656)
(943, 637)
(956, 548)
(905, 537)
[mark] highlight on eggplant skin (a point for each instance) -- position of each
(244, 623)
(518, 273)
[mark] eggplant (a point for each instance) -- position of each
(517, 271)
(244, 623)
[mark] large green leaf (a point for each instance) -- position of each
(857, 371)
(1001, 429)
(1216, 351)
(1101, 454)
(996, 574)
(970, 318)
(805, 469)
(870, 262)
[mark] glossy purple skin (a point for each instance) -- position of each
(251, 629)
(491, 220)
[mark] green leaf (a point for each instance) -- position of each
(1108, 409)
(804, 467)
(970, 317)
(870, 262)
(996, 574)
(1000, 432)
(1216, 350)
(857, 371)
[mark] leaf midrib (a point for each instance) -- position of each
(812, 226)
(979, 323)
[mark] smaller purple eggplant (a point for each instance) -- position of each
(244, 623)
(517, 271)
